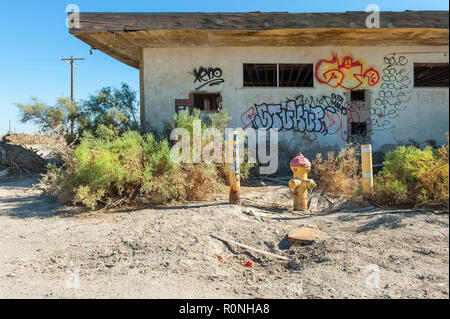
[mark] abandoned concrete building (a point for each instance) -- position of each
(321, 79)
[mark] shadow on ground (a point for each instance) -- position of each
(18, 200)
(389, 220)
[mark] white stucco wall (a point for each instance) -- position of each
(406, 112)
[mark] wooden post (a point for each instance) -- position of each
(235, 180)
(367, 172)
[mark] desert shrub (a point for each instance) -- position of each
(218, 121)
(337, 175)
(113, 170)
(389, 191)
(414, 176)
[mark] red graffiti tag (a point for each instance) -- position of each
(347, 73)
(247, 116)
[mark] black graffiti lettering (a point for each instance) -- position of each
(381, 125)
(378, 112)
(207, 76)
(358, 106)
(263, 117)
(394, 95)
(393, 61)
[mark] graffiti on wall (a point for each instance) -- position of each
(334, 114)
(207, 76)
(339, 123)
(345, 73)
(394, 94)
(325, 115)
(434, 97)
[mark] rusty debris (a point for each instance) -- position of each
(303, 235)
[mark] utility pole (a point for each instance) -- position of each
(71, 59)
(65, 60)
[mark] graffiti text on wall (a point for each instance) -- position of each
(393, 95)
(207, 76)
(345, 73)
(302, 114)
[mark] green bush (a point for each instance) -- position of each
(414, 176)
(115, 170)
(219, 121)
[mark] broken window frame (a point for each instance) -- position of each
(217, 109)
(306, 69)
(245, 70)
(278, 79)
(427, 81)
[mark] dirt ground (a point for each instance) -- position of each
(51, 251)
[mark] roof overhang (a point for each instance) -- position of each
(122, 35)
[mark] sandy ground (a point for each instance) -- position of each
(51, 251)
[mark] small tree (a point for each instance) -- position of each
(111, 107)
(59, 118)
(114, 108)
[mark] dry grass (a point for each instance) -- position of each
(33, 139)
(338, 175)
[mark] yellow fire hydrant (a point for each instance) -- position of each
(300, 184)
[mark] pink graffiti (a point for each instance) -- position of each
(337, 123)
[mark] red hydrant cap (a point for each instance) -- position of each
(300, 161)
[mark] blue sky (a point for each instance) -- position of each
(34, 37)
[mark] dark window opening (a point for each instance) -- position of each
(207, 101)
(260, 75)
(431, 74)
(358, 95)
(296, 75)
(359, 129)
